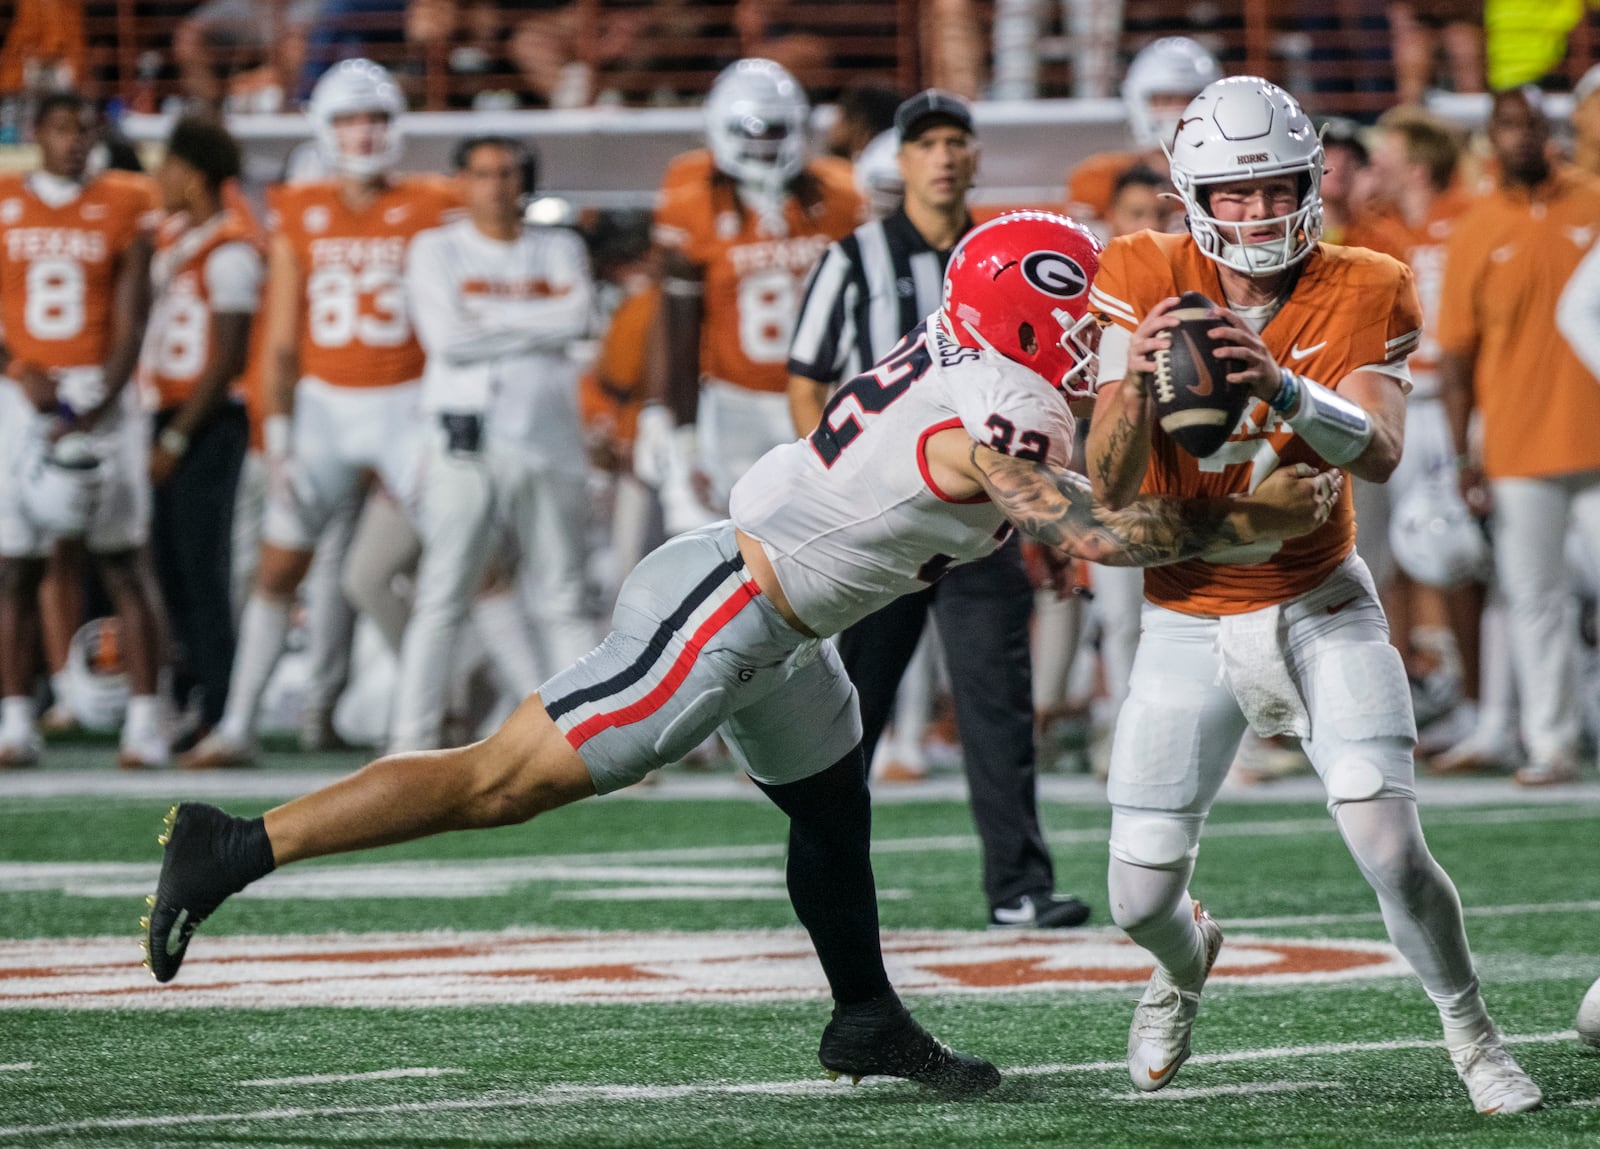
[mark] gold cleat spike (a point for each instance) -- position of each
(833, 1074)
(150, 900)
(855, 1079)
(161, 840)
(144, 922)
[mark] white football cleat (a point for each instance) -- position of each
(1158, 1040)
(1589, 1016)
(1494, 1080)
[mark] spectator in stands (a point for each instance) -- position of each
(350, 29)
(1415, 33)
(866, 111)
(765, 29)
(1586, 122)
(1507, 264)
(1344, 182)
(223, 38)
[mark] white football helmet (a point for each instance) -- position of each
(60, 485)
(1434, 537)
(877, 175)
(97, 682)
(756, 118)
(1173, 66)
(1241, 128)
(348, 87)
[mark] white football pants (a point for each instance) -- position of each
(1531, 522)
(467, 506)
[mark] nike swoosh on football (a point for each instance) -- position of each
(175, 934)
(1298, 353)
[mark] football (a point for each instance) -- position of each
(1195, 403)
(1589, 1017)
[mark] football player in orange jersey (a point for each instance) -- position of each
(341, 356)
(207, 276)
(739, 226)
(74, 290)
(1283, 639)
(1162, 78)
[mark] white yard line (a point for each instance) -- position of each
(19, 1067)
(567, 1094)
(375, 1075)
(1512, 909)
(1248, 1090)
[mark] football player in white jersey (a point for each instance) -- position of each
(496, 304)
(929, 459)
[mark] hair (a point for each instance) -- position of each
(870, 104)
(54, 101)
(522, 155)
(1427, 139)
(1338, 132)
(205, 145)
(1139, 175)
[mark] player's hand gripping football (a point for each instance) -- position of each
(1294, 501)
(1152, 335)
(1254, 365)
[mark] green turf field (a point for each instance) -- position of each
(627, 972)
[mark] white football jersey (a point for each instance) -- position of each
(850, 516)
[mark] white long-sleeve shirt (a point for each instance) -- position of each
(496, 319)
(1578, 311)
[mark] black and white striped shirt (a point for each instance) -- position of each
(869, 289)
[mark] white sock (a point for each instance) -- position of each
(142, 721)
(262, 630)
(17, 716)
(61, 689)
(1154, 907)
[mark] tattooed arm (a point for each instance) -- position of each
(1119, 434)
(1059, 509)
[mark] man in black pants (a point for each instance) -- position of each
(207, 276)
(869, 289)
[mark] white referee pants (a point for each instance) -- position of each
(1531, 521)
(469, 507)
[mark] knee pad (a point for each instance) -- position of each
(1156, 841)
(1371, 768)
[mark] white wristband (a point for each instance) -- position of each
(173, 441)
(275, 435)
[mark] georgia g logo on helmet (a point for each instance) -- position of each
(1055, 274)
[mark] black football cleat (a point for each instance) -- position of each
(880, 1038)
(1039, 912)
(209, 856)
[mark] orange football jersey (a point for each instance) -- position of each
(1350, 308)
(355, 330)
(608, 394)
(754, 280)
(177, 345)
(1092, 185)
(58, 266)
(1506, 267)
(1422, 249)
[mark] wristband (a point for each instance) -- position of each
(275, 435)
(1330, 424)
(1288, 392)
(173, 441)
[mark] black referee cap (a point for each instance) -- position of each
(930, 107)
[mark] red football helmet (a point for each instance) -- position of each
(1019, 285)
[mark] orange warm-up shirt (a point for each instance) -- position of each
(177, 348)
(58, 266)
(1350, 308)
(754, 280)
(1092, 185)
(1422, 249)
(609, 395)
(356, 331)
(1507, 264)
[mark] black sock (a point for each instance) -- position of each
(252, 849)
(830, 874)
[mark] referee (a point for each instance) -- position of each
(868, 290)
